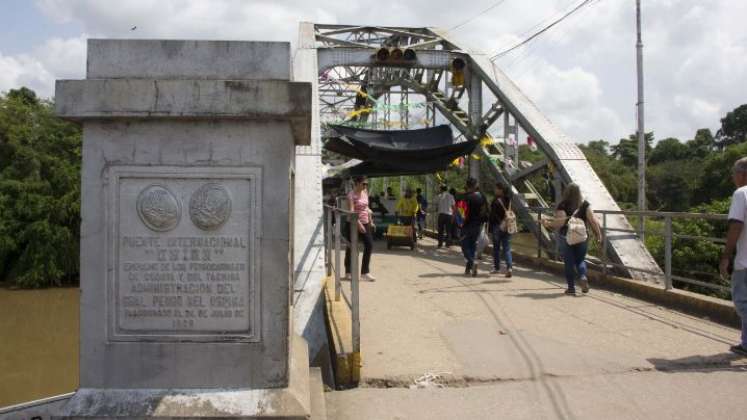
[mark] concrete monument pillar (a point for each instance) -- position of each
(188, 151)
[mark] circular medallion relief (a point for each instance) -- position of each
(210, 206)
(158, 208)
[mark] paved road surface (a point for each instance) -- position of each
(438, 345)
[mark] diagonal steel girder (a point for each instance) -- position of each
(559, 149)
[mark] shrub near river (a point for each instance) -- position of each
(39, 193)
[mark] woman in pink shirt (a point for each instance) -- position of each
(358, 203)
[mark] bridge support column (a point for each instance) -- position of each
(475, 116)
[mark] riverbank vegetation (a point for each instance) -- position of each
(39, 193)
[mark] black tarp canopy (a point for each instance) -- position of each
(397, 152)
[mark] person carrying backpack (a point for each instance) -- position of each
(573, 217)
(501, 226)
(474, 207)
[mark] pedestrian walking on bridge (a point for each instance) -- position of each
(736, 239)
(422, 211)
(477, 213)
(573, 218)
(501, 228)
(445, 213)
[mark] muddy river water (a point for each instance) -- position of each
(38, 343)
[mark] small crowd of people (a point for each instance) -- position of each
(468, 217)
(464, 217)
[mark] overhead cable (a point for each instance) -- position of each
(493, 6)
(541, 31)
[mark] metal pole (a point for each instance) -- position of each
(355, 272)
(338, 233)
(429, 198)
(328, 240)
(506, 133)
(475, 116)
(539, 233)
(668, 252)
(604, 245)
(641, 133)
(515, 156)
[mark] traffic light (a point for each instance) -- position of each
(457, 71)
(382, 54)
(395, 56)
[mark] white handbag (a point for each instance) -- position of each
(577, 232)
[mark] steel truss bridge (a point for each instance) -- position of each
(403, 78)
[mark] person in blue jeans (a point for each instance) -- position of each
(496, 227)
(736, 240)
(574, 256)
(477, 211)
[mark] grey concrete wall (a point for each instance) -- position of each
(190, 144)
(308, 241)
(187, 59)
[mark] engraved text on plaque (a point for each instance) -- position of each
(182, 278)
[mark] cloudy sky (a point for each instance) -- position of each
(581, 73)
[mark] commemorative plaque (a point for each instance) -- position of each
(183, 278)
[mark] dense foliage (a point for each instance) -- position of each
(39, 193)
(691, 176)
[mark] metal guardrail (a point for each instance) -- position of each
(333, 238)
(667, 235)
(35, 410)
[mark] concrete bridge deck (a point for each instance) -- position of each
(438, 345)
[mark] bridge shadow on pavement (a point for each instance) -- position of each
(432, 337)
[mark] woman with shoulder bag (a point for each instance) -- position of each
(358, 203)
(573, 217)
(502, 225)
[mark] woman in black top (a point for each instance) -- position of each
(574, 256)
(501, 238)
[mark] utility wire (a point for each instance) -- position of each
(553, 36)
(541, 31)
(493, 6)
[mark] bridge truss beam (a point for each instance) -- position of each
(356, 88)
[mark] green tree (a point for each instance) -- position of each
(703, 144)
(714, 180)
(670, 184)
(733, 127)
(667, 150)
(39, 193)
(619, 179)
(626, 150)
(600, 147)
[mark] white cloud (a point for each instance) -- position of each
(581, 73)
(57, 58)
(24, 70)
(573, 98)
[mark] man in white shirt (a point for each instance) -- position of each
(445, 211)
(390, 201)
(737, 237)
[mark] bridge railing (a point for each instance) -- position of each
(660, 230)
(666, 236)
(334, 247)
